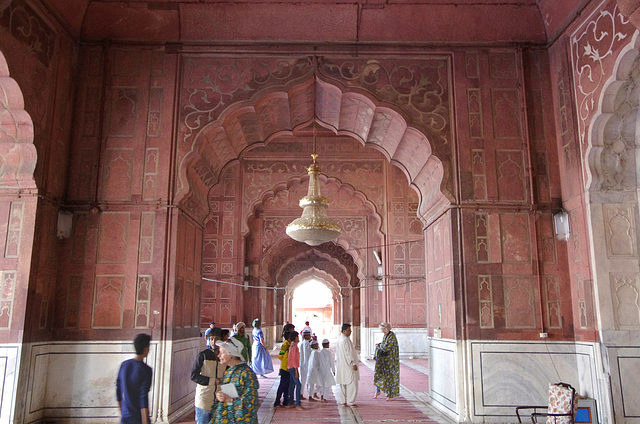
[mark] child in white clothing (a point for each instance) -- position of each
(321, 370)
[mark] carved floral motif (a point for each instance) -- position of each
(593, 50)
(211, 85)
(420, 88)
(27, 27)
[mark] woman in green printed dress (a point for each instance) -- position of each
(239, 389)
(387, 372)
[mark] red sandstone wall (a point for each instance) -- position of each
(41, 59)
(222, 254)
(513, 268)
(114, 280)
(184, 296)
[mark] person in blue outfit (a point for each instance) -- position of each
(261, 362)
(133, 384)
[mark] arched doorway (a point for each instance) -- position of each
(313, 302)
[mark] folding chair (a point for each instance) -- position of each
(560, 410)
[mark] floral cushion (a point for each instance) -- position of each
(560, 402)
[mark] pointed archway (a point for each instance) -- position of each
(316, 301)
(18, 208)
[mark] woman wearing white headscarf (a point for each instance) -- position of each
(386, 376)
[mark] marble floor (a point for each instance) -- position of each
(410, 407)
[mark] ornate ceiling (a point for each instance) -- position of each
(317, 21)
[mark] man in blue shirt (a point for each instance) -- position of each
(133, 384)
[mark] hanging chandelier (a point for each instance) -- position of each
(314, 227)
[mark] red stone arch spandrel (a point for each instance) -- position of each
(401, 109)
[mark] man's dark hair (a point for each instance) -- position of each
(224, 332)
(345, 327)
(141, 342)
(293, 335)
(287, 327)
(216, 332)
(212, 323)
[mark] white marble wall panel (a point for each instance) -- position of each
(443, 378)
(76, 381)
(625, 382)
(182, 388)
(413, 342)
(508, 374)
(9, 360)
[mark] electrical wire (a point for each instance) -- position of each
(376, 285)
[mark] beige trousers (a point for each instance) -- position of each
(349, 392)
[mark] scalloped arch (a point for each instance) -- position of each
(314, 273)
(613, 132)
(272, 113)
(18, 154)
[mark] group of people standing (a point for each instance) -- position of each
(303, 366)
(226, 373)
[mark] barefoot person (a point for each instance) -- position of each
(387, 372)
(347, 374)
(321, 371)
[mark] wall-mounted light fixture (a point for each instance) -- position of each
(561, 225)
(247, 276)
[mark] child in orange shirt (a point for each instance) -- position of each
(294, 373)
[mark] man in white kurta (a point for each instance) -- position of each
(347, 374)
(305, 352)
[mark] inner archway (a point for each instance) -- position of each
(312, 302)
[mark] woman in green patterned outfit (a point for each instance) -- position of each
(238, 400)
(387, 372)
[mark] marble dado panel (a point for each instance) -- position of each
(625, 362)
(413, 342)
(182, 389)
(9, 362)
(508, 374)
(443, 376)
(88, 371)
